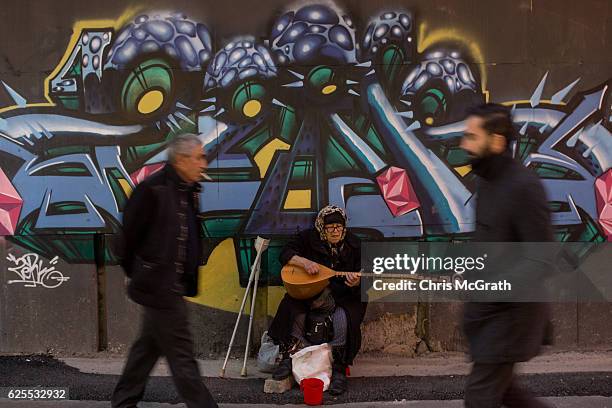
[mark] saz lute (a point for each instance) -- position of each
(302, 285)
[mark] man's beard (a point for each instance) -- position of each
(477, 160)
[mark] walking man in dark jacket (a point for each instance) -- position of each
(161, 255)
(511, 207)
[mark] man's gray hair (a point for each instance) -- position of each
(182, 145)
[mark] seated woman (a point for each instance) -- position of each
(329, 244)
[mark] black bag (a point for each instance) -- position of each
(319, 327)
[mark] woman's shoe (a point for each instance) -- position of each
(339, 382)
(283, 370)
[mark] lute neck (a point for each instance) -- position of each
(386, 275)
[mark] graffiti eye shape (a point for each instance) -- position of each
(62, 169)
(433, 106)
(147, 87)
(248, 100)
(323, 80)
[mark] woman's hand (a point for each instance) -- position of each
(353, 279)
(311, 267)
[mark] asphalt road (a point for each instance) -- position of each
(554, 402)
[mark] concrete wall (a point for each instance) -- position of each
(66, 320)
(38, 316)
(93, 89)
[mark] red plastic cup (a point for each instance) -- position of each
(313, 391)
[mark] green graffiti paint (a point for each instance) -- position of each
(248, 99)
(148, 87)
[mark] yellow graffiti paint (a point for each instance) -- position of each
(298, 199)
(264, 156)
(275, 295)
(126, 187)
(376, 295)
(251, 108)
(427, 39)
(219, 285)
(329, 89)
(150, 102)
(29, 105)
(463, 170)
(527, 102)
(128, 15)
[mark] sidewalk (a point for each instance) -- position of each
(433, 364)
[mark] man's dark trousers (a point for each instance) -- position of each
(165, 332)
(493, 385)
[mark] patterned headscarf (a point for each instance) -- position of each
(320, 222)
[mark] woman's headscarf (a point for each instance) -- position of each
(330, 215)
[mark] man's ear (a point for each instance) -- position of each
(498, 143)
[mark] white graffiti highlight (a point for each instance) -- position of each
(31, 272)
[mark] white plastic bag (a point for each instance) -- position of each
(267, 357)
(313, 362)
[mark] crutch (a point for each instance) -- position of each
(261, 245)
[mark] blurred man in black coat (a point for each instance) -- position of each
(511, 207)
(161, 255)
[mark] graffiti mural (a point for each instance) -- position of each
(319, 112)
